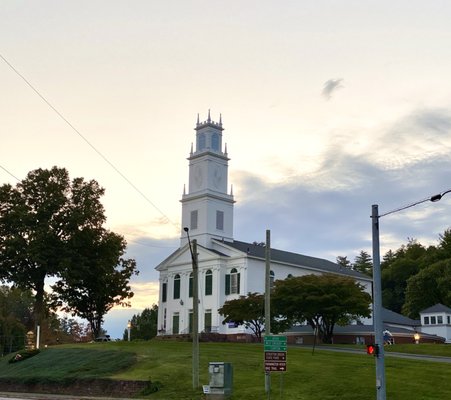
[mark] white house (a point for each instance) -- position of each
(228, 268)
(436, 320)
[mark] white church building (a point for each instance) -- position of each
(228, 268)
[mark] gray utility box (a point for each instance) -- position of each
(221, 378)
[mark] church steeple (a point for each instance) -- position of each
(207, 208)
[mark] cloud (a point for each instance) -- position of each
(330, 87)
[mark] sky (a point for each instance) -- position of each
(328, 107)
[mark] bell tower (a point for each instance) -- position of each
(207, 208)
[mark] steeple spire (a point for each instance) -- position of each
(208, 119)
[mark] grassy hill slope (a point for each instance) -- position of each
(321, 376)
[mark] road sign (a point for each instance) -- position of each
(275, 343)
(275, 353)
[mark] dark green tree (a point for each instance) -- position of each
(98, 278)
(38, 217)
(344, 262)
(363, 263)
(321, 300)
(144, 325)
(430, 286)
(250, 311)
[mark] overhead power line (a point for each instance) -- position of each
(74, 129)
(4, 169)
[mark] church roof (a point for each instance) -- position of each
(257, 250)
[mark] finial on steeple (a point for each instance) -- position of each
(225, 149)
(191, 148)
(184, 190)
(231, 189)
(220, 119)
(198, 122)
(208, 119)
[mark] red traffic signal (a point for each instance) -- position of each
(372, 349)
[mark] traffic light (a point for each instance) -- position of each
(372, 349)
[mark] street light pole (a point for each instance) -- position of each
(377, 289)
(377, 307)
(195, 334)
(129, 327)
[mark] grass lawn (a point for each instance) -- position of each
(322, 376)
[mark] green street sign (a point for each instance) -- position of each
(275, 343)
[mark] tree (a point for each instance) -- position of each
(38, 217)
(99, 277)
(344, 262)
(321, 300)
(363, 263)
(428, 287)
(248, 311)
(144, 325)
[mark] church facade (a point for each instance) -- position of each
(228, 268)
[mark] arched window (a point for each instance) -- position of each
(177, 286)
(232, 282)
(208, 283)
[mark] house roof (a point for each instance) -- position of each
(258, 251)
(391, 317)
(436, 308)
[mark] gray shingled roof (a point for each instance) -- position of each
(392, 317)
(437, 308)
(258, 251)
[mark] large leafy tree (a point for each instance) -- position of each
(99, 279)
(51, 226)
(250, 311)
(321, 300)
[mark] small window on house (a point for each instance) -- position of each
(164, 292)
(439, 319)
(220, 220)
(448, 318)
(177, 286)
(232, 282)
(271, 279)
(193, 222)
(426, 320)
(433, 321)
(190, 285)
(208, 283)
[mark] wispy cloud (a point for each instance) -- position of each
(331, 86)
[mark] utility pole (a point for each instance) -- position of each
(195, 317)
(268, 300)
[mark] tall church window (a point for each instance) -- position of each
(164, 292)
(215, 142)
(190, 285)
(201, 143)
(219, 220)
(193, 221)
(177, 286)
(208, 283)
(232, 282)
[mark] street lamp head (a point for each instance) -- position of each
(438, 197)
(186, 229)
